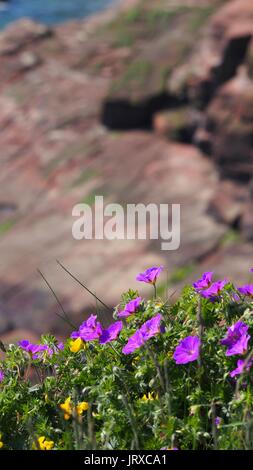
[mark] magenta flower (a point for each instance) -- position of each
(111, 333)
(130, 308)
(242, 366)
(134, 342)
(37, 350)
(150, 275)
(247, 289)
(204, 282)
(234, 333)
(236, 339)
(1, 376)
(240, 347)
(89, 330)
(169, 448)
(214, 290)
(33, 349)
(188, 350)
(149, 329)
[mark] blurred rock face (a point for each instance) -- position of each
(178, 80)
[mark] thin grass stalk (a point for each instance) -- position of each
(65, 316)
(83, 285)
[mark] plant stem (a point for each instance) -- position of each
(157, 367)
(167, 386)
(115, 350)
(214, 427)
(154, 290)
(130, 411)
(200, 330)
(91, 434)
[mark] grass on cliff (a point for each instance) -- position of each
(152, 58)
(149, 19)
(6, 226)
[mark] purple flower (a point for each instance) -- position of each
(217, 421)
(235, 297)
(242, 366)
(247, 289)
(214, 290)
(236, 339)
(240, 347)
(234, 333)
(1, 375)
(149, 329)
(204, 282)
(150, 275)
(134, 342)
(89, 330)
(111, 333)
(131, 307)
(187, 350)
(169, 448)
(33, 349)
(36, 349)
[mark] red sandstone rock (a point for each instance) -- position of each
(21, 34)
(55, 153)
(228, 203)
(230, 120)
(217, 55)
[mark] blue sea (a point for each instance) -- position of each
(49, 11)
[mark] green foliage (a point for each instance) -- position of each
(231, 237)
(6, 226)
(183, 403)
(136, 74)
(85, 176)
(149, 18)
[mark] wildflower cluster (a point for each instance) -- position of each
(157, 375)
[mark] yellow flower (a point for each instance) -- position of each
(1, 443)
(194, 409)
(66, 406)
(46, 398)
(76, 345)
(150, 397)
(43, 444)
(158, 304)
(135, 359)
(81, 407)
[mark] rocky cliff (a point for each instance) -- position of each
(146, 103)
